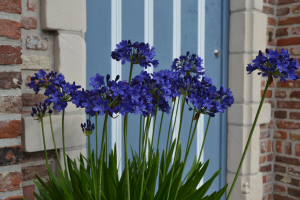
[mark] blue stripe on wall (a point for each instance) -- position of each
(98, 48)
(133, 29)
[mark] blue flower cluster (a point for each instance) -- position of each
(275, 64)
(58, 91)
(40, 111)
(190, 63)
(136, 53)
(88, 127)
(114, 97)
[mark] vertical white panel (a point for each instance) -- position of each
(116, 36)
(176, 51)
(148, 38)
(201, 49)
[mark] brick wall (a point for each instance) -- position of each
(280, 139)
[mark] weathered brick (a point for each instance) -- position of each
(10, 104)
(264, 134)
(294, 115)
(279, 197)
(10, 155)
(280, 134)
(288, 41)
(268, 32)
(271, 124)
(268, 94)
(295, 94)
(268, 10)
(280, 94)
(263, 147)
(269, 177)
(296, 9)
(292, 84)
(271, 21)
(34, 42)
(10, 129)
(29, 172)
(29, 99)
(281, 32)
(267, 188)
(280, 2)
(287, 160)
(279, 146)
(269, 146)
(273, 2)
(266, 168)
(278, 188)
(263, 126)
(10, 181)
(10, 55)
(283, 11)
(281, 114)
(10, 29)
(278, 168)
(294, 171)
(288, 104)
(262, 159)
(287, 125)
(297, 149)
(10, 80)
(294, 136)
(270, 157)
(288, 148)
(294, 192)
(283, 179)
(29, 22)
(31, 5)
(271, 43)
(15, 198)
(270, 197)
(11, 6)
(272, 103)
(295, 30)
(35, 62)
(264, 179)
(28, 192)
(37, 156)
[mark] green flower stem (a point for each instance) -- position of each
(191, 126)
(63, 138)
(141, 122)
(96, 121)
(161, 121)
(54, 141)
(89, 141)
(154, 125)
(126, 157)
(250, 136)
(173, 126)
(101, 154)
(45, 149)
(170, 124)
(204, 139)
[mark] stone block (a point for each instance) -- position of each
(35, 62)
(237, 139)
(64, 15)
(32, 139)
(246, 4)
(243, 114)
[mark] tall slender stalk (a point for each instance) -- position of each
(45, 148)
(89, 142)
(96, 122)
(140, 136)
(53, 138)
(63, 138)
(161, 121)
(204, 139)
(270, 79)
(101, 154)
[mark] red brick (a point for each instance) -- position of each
(280, 94)
(288, 41)
(10, 55)
(10, 80)
(287, 125)
(29, 172)
(294, 115)
(283, 11)
(268, 10)
(10, 29)
(269, 146)
(10, 155)
(37, 156)
(281, 114)
(279, 146)
(295, 94)
(272, 103)
(269, 177)
(273, 2)
(262, 159)
(10, 104)
(297, 149)
(278, 188)
(271, 124)
(271, 21)
(29, 22)
(280, 2)
(287, 160)
(295, 30)
(294, 192)
(263, 147)
(266, 168)
(264, 179)
(263, 126)
(28, 192)
(11, 181)
(288, 104)
(279, 197)
(31, 5)
(294, 136)
(14, 198)
(268, 95)
(11, 6)
(281, 32)
(264, 134)
(292, 84)
(267, 188)
(31, 99)
(10, 129)
(288, 148)
(278, 168)
(269, 196)
(296, 9)
(271, 43)
(263, 83)
(280, 134)
(270, 157)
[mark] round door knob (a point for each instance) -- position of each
(217, 53)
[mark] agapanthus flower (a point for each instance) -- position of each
(275, 64)
(88, 127)
(40, 110)
(190, 63)
(136, 53)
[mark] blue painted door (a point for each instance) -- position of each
(172, 27)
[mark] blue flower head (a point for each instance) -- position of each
(40, 110)
(88, 127)
(190, 63)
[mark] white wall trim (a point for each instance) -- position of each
(116, 36)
